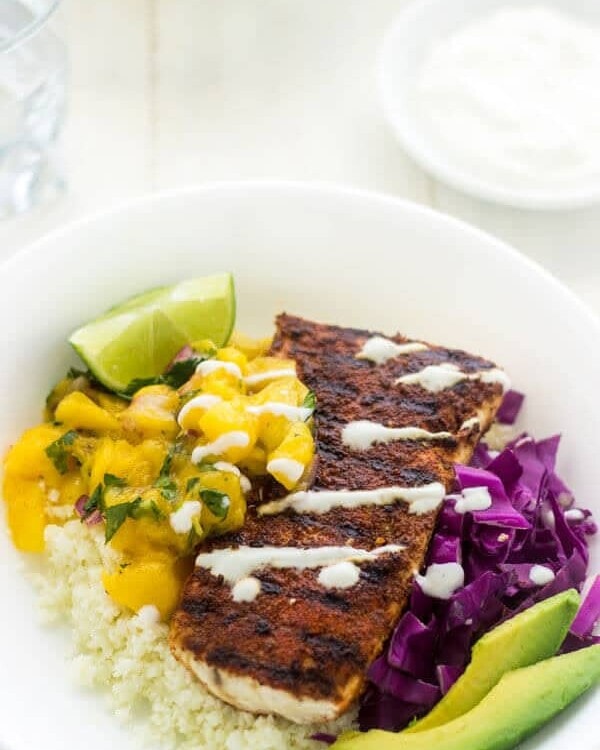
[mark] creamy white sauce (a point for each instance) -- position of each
(574, 514)
(540, 575)
(342, 575)
(379, 349)
(181, 519)
(234, 439)
(148, 615)
(441, 580)
(437, 378)
(214, 365)
(420, 499)
(202, 401)
(237, 563)
(511, 97)
(245, 483)
(286, 467)
(294, 413)
(468, 424)
(472, 499)
(246, 589)
(362, 434)
(264, 377)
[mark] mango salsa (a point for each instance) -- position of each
(160, 470)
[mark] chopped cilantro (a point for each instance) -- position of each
(217, 502)
(154, 510)
(167, 487)
(57, 451)
(116, 515)
(191, 483)
(73, 373)
(95, 502)
(165, 484)
(110, 480)
(181, 372)
(175, 377)
(310, 400)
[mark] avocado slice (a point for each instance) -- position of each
(519, 704)
(525, 639)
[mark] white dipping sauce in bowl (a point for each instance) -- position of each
(516, 94)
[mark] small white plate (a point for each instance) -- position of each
(336, 255)
(416, 30)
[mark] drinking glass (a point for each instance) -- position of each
(33, 65)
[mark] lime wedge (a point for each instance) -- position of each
(139, 337)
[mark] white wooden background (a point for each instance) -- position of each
(172, 92)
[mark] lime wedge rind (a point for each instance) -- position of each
(139, 337)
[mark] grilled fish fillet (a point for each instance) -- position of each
(299, 649)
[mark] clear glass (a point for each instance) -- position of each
(33, 69)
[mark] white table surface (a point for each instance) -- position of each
(174, 92)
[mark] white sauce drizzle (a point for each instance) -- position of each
(437, 378)
(379, 349)
(235, 439)
(420, 499)
(245, 483)
(468, 424)
(574, 514)
(214, 365)
(342, 575)
(246, 589)
(237, 563)
(287, 467)
(362, 434)
(181, 519)
(441, 580)
(294, 413)
(472, 499)
(264, 377)
(148, 615)
(540, 575)
(203, 401)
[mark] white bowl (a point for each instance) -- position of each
(338, 255)
(415, 31)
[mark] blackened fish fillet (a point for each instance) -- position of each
(299, 649)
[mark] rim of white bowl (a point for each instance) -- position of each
(425, 153)
(315, 188)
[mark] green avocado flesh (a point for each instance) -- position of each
(525, 639)
(519, 704)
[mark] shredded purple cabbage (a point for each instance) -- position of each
(510, 407)
(526, 525)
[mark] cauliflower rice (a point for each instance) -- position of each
(124, 651)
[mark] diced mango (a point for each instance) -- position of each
(229, 354)
(152, 412)
(113, 404)
(255, 463)
(251, 347)
(288, 462)
(227, 417)
(229, 484)
(265, 370)
(27, 458)
(80, 412)
(71, 487)
(138, 465)
(25, 503)
(156, 581)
